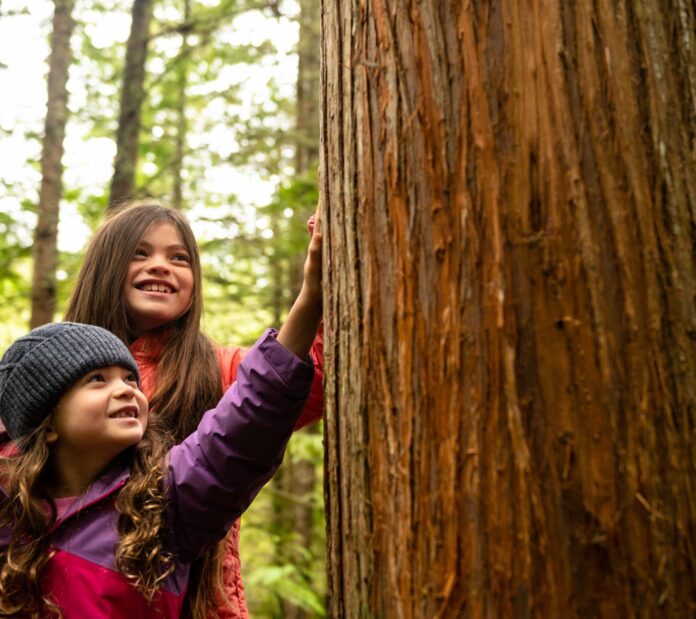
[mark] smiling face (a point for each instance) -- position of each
(159, 283)
(102, 414)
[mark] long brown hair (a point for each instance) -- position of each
(140, 554)
(23, 560)
(98, 299)
(188, 381)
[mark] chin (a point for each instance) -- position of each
(132, 441)
(127, 448)
(137, 439)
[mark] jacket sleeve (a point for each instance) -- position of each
(229, 359)
(217, 471)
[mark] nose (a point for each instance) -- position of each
(157, 264)
(124, 390)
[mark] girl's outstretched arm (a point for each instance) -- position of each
(216, 472)
(300, 327)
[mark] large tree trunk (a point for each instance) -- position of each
(132, 95)
(45, 249)
(510, 246)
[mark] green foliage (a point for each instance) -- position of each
(15, 291)
(15, 273)
(253, 240)
(282, 568)
(286, 582)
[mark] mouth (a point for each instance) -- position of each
(156, 286)
(127, 412)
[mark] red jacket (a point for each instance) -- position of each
(146, 350)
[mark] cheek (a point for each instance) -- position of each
(70, 427)
(127, 288)
(144, 408)
(187, 289)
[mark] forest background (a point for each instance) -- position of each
(228, 133)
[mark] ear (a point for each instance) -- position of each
(51, 435)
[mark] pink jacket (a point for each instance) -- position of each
(146, 350)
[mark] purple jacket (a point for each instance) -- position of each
(212, 478)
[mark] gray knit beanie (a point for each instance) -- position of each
(38, 368)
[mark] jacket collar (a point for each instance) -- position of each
(109, 482)
(147, 348)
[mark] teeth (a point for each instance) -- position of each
(155, 288)
(121, 414)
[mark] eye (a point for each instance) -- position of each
(97, 377)
(131, 378)
(181, 258)
(140, 253)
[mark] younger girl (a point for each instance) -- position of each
(95, 519)
(141, 279)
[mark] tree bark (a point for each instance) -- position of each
(510, 308)
(132, 96)
(45, 249)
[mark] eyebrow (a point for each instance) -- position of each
(175, 246)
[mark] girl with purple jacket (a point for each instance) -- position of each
(96, 518)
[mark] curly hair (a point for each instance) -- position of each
(23, 560)
(141, 555)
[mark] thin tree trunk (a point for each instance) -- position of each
(45, 250)
(298, 476)
(182, 125)
(308, 88)
(510, 311)
(132, 96)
